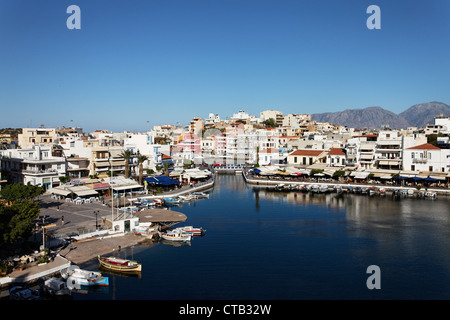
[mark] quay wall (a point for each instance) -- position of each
(388, 188)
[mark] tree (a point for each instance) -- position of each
(126, 154)
(141, 159)
(270, 123)
(18, 191)
(17, 217)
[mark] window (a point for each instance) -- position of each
(310, 160)
(304, 160)
(412, 155)
(430, 168)
(295, 159)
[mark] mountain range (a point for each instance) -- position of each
(419, 115)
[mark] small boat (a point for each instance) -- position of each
(118, 264)
(315, 188)
(323, 188)
(78, 277)
(175, 235)
(430, 195)
(382, 191)
(187, 198)
(23, 293)
(171, 201)
(199, 195)
(158, 202)
(372, 192)
(410, 192)
(54, 287)
(192, 230)
(144, 229)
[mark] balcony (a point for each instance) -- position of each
(419, 160)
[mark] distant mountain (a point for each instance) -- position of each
(419, 115)
(371, 117)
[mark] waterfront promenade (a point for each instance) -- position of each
(387, 187)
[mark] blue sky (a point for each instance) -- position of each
(166, 61)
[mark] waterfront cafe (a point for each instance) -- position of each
(121, 185)
(70, 191)
(162, 182)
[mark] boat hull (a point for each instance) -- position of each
(119, 265)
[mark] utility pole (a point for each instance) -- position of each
(44, 227)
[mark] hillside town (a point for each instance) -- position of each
(50, 157)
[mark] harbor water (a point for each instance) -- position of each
(261, 244)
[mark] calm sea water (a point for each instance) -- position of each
(265, 245)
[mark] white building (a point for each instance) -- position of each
(426, 157)
(35, 165)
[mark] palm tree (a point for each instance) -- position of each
(141, 159)
(126, 154)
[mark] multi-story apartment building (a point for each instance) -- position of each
(360, 151)
(33, 164)
(388, 150)
(36, 136)
(277, 116)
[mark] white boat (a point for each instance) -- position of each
(191, 230)
(410, 192)
(23, 293)
(54, 287)
(323, 188)
(175, 235)
(144, 229)
(189, 197)
(199, 195)
(431, 195)
(76, 277)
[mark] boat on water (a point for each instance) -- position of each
(175, 235)
(158, 202)
(78, 277)
(199, 195)
(118, 264)
(186, 198)
(24, 293)
(191, 230)
(54, 287)
(430, 195)
(144, 229)
(171, 201)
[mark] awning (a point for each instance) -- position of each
(438, 177)
(60, 192)
(361, 175)
(82, 191)
(126, 187)
(386, 176)
(162, 180)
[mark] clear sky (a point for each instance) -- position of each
(138, 63)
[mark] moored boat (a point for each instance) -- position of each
(118, 264)
(430, 195)
(175, 235)
(171, 201)
(54, 287)
(144, 229)
(192, 230)
(78, 277)
(23, 293)
(199, 195)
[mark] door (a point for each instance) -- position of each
(126, 225)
